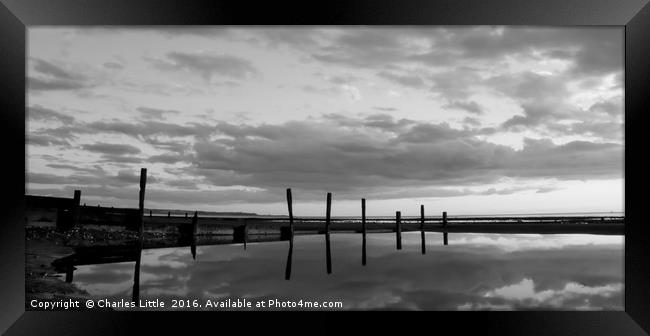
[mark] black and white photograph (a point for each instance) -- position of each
(435, 168)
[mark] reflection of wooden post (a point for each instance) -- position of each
(68, 273)
(424, 245)
(363, 231)
(287, 270)
(445, 237)
(444, 219)
(143, 183)
(398, 229)
(76, 200)
(328, 252)
(135, 296)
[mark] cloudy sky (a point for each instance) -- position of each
(469, 120)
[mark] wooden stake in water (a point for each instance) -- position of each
(424, 245)
(444, 219)
(76, 200)
(398, 229)
(328, 252)
(290, 206)
(143, 184)
(363, 231)
(195, 230)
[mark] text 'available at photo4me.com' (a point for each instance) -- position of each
(187, 304)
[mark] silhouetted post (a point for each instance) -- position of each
(363, 231)
(186, 215)
(195, 229)
(444, 219)
(143, 184)
(290, 206)
(195, 223)
(169, 214)
(424, 248)
(75, 207)
(328, 252)
(150, 213)
(398, 229)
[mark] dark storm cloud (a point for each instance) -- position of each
(590, 51)
(170, 158)
(207, 66)
(89, 177)
(469, 106)
(53, 77)
(111, 149)
(45, 140)
(148, 128)
(38, 112)
(376, 155)
(353, 158)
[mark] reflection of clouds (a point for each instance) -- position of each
(105, 279)
(522, 242)
(533, 272)
(571, 296)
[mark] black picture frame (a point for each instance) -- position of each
(17, 15)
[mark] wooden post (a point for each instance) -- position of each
(76, 200)
(169, 214)
(328, 252)
(424, 245)
(444, 219)
(186, 215)
(363, 231)
(195, 229)
(328, 212)
(290, 206)
(195, 223)
(150, 213)
(398, 229)
(143, 184)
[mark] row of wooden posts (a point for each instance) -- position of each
(398, 219)
(140, 226)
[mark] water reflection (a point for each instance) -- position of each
(473, 272)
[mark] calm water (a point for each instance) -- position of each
(474, 272)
